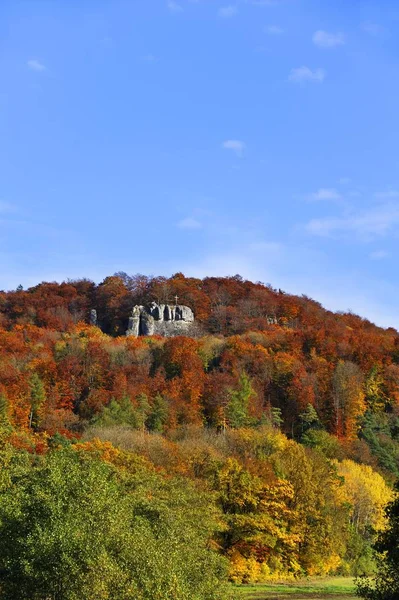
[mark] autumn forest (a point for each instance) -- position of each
(263, 445)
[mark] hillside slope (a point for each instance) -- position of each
(287, 414)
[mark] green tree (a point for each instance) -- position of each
(37, 399)
(143, 410)
(74, 527)
(378, 430)
(323, 441)
(385, 585)
(117, 412)
(275, 417)
(158, 414)
(237, 407)
(4, 418)
(309, 420)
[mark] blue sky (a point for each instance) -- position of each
(212, 137)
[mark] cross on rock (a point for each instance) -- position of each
(176, 299)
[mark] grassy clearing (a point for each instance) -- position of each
(334, 588)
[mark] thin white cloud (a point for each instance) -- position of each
(274, 30)
(344, 180)
(36, 65)
(379, 255)
(189, 223)
(236, 146)
(227, 12)
(376, 222)
(174, 6)
(323, 39)
(306, 75)
(326, 194)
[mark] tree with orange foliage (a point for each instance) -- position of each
(348, 398)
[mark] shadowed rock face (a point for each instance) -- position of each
(93, 317)
(160, 319)
(147, 324)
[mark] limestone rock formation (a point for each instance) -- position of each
(134, 321)
(147, 324)
(160, 319)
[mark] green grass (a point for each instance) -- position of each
(333, 588)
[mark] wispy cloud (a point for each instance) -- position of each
(236, 146)
(36, 65)
(189, 223)
(375, 222)
(174, 6)
(227, 12)
(344, 180)
(274, 30)
(323, 39)
(326, 194)
(379, 255)
(306, 75)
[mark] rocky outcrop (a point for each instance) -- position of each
(160, 319)
(147, 324)
(134, 321)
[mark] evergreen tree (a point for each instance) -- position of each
(309, 419)
(158, 414)
(276, 418)
(143, 410)
(237, 408)
(119, 412)
(37, 399)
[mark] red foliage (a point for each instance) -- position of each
(288, 346)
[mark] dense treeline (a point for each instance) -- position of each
(285, 509)
(79, 523)
(283, 417)
(225, 305)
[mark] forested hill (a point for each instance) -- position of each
(222, 305)
(278, 353)
(286, 414)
